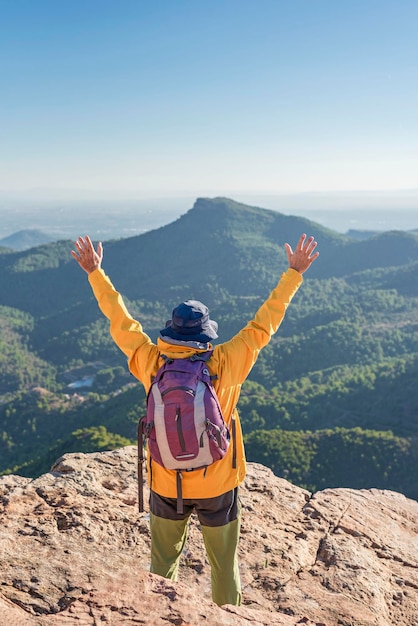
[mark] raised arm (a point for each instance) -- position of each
(240, 353)
(126, 332)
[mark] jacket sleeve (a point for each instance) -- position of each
(237, 356)
(126, 332)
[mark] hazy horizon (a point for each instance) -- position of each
(108, 219)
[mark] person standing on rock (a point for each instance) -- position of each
(211, 492)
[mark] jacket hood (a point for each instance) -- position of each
(181, 349)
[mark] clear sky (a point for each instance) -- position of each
(208, 97)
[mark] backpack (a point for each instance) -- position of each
(184, 426)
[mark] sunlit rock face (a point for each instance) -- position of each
(75, 551)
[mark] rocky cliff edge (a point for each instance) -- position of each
(74, 551)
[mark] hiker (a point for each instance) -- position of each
(211, 492)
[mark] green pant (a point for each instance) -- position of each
(169, 534)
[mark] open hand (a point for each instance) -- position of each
(86, 256)
(303, 257)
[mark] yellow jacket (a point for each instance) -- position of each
(231, 362)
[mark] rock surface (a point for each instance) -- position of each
(75, 552)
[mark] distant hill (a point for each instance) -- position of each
(25, 239)
(354, 233)
(361, 234)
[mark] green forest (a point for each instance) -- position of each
(331, 402)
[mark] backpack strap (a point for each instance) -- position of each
(179, 480)
(140, 463)
(234, 439)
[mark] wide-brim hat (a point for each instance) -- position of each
(190, 321)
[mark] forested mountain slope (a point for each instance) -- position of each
(346, 356)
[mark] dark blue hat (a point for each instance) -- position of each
(190, 322)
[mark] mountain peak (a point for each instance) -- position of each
(219, 202)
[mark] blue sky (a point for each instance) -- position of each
(158, 98)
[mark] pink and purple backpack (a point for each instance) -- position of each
(184, 425)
